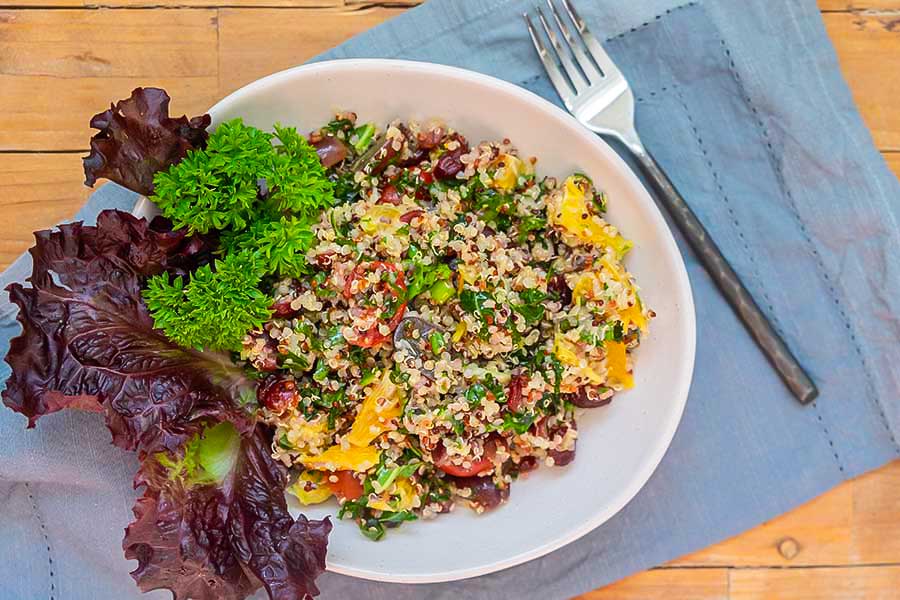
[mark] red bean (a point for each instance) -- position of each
(588, 397)
(485, 492)
(449, 164)
(278, 394)
(557, 285)
(331, 150)
(283, 309)
(389, 195)
(561, 457)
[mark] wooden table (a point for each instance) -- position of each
(62, 60)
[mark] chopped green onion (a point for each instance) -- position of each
(364, 137)
(437, 342)
(387, 476)
(441, 291)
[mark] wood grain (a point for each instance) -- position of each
(256, 42)
(59, 67)
(859, 583)
(856, 523)
(667, 584)
(868, 47)
(858, 5)
(36, 192)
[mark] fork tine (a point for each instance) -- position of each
(600, 56)
(563, 88)
(575, 76)
(590, 71)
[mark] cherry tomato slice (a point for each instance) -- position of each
(485, 463)
(477, 467)
(372, 336)
(347, 485)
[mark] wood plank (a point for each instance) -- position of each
(169, 3)
(856, 523)
(858, 5)
(667, 584)
(820, 530)
(876, 512)
(59, 67)
(257, 42)
(37, 191)
(893, 162)
(868, 47)
(849, 583)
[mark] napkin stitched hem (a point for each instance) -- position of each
(42, 526)
(773, 315)
(823, 271)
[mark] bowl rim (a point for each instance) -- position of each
(684, 297)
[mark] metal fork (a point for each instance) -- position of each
(598, 95)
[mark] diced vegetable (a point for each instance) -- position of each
(311, 488)
(576, 217)
(336, 458)
(382, 403)
(617, 369)
(567, 353)
(441, 291)
(507, 176)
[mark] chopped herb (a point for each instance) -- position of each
(322, 371)
(473, 302)
(475, 394)
(529, 224)
(437, 342)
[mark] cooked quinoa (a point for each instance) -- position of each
(460, 311)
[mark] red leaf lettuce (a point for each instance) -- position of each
(220, 539)
(137, 138)
(88, 343)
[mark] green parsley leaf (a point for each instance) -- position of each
(215, 308)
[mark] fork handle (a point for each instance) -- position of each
(726, 279)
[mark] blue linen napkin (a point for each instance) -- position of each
(743, 104)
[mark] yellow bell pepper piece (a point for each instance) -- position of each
(632, 314)
(567, 354)
(584, 286)
(311, 488)
(459, 332)
(575, 216)
(616, 367)
(336, 458)
(507, 176)
(382, 403)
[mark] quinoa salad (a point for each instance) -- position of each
(458, 313)
(393, 320)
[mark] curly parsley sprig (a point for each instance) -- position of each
(244, 175)
(261, 192)
(215, 308)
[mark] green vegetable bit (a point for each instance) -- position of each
(441, 291)
(437, 342)
(364, 137)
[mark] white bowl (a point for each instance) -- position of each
(619, 446)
